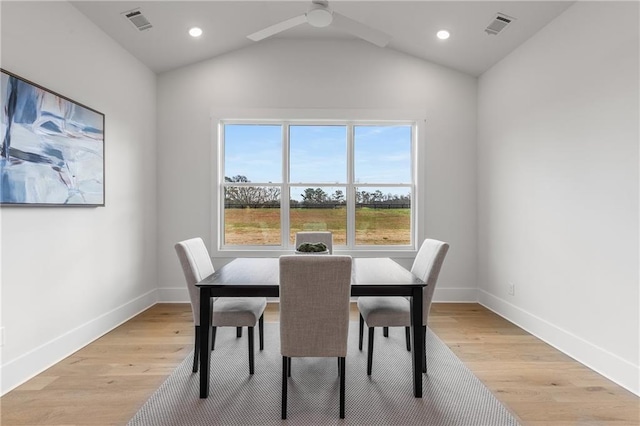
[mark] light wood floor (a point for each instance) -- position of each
(106, 382)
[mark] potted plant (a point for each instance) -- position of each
(312, 248)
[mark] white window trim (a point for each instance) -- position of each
(317, 116)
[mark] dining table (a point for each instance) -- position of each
(259, 277)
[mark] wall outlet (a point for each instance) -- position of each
(511, 290)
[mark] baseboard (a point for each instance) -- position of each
(23, 368)
(611, 366)
(457, 295)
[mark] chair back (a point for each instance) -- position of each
(196, 265)
(426, 266)
(314, 305)
(325, 237)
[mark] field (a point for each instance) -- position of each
(261, 226)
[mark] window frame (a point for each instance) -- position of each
(318, 118)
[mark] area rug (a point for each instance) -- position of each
(452, 395)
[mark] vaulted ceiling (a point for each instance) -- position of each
(412, 26)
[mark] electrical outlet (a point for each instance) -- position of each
(512, 289)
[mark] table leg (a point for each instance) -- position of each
(417, 346)
(206, 303)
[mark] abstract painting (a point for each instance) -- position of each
(51, 148)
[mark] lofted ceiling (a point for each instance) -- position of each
(412, 26)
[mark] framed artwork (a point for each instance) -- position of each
(51, 147)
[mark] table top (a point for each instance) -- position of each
(262, 275)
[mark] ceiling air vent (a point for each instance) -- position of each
(137, 19)
(498, 23)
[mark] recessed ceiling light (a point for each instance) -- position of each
(195, 32)
(443, 34)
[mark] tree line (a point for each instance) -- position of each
(270, 196)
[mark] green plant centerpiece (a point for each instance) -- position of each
(317, 248)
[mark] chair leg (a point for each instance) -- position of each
(370, 351)
(361, 332)
(407, 333)
(385, 331)
(342, 385)
(251, 350)
(238, 331)
(213, 337)
(424, 352)
(261, 331)
(285, 367)
(196, 349)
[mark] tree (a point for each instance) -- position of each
(250, 195)
(364, 198)
(314, 196)
(236, 178)
(338, 196)
(271, 194)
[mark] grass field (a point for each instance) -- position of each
(250, 226)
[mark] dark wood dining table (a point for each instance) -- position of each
(259, 277)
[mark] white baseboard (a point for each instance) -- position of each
(23, 368)
(459, 295)
(611, 366)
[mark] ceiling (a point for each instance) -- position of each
(411, 24)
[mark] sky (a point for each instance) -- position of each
(318, 153)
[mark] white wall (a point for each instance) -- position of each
(558, 132)
(71, 274)
(317, 74)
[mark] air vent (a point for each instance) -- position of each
(498, 23)
(137, 19)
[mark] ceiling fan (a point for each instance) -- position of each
(320, 15)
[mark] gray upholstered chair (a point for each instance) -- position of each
(314, 312)
(325, 237)
(395, 311)
(227, 311)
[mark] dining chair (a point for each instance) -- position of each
(325, 237)
(314, 313)
(395, 311)
(227, 311)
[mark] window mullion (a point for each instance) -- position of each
(350, 190)
(285, 194)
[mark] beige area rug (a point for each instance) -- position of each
(452, 395)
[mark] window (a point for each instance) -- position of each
(355, 179)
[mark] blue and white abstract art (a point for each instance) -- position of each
(51, 148)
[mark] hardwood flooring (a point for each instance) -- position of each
(106, 382)
(538, 383)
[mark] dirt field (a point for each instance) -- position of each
(373, 226)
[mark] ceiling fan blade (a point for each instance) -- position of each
(277, 28)
(360, 30)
